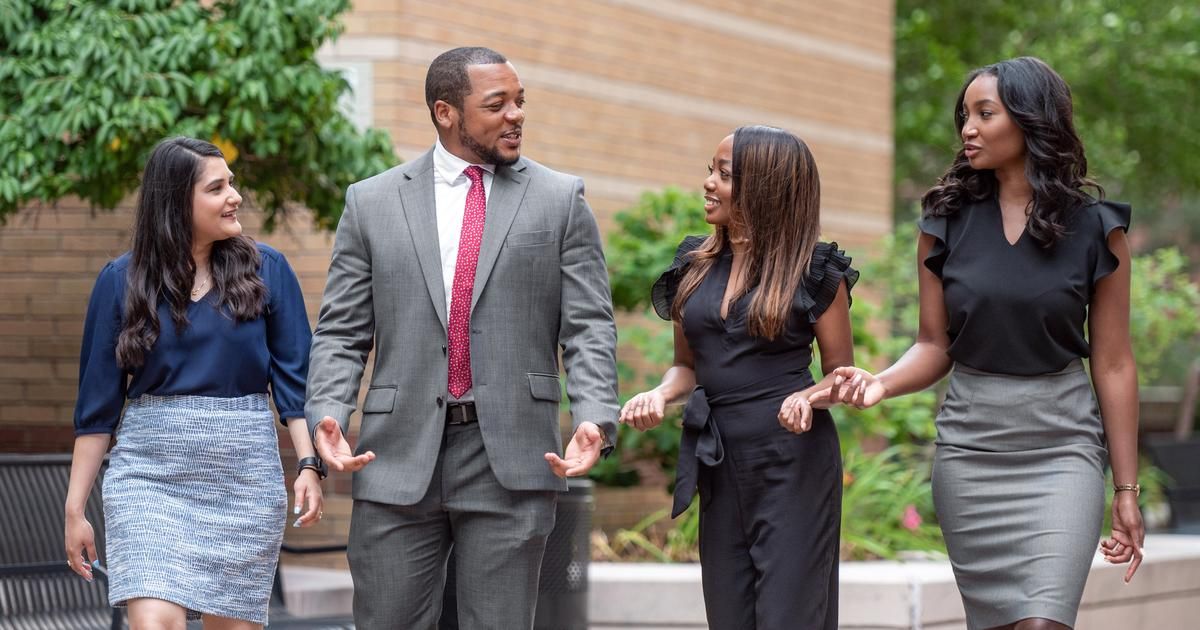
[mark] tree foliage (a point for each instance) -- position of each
(87, 87)
(1133, 67)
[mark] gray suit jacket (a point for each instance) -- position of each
(541, 283)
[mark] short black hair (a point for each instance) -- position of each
(447, 78)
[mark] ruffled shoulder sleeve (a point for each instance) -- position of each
(936, 227)
(662, 294)
(830, 266)
(1112, 215)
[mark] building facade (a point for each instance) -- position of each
(632, 96)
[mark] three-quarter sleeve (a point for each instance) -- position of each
(102, 383)
(288, 334)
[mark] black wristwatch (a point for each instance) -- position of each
(606, 445)
(314, 464)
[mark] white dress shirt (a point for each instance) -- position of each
(450, 187)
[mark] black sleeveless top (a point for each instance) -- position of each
(1020, 308)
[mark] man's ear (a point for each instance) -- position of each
(445, 114)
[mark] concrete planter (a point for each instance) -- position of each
(917, 595)
(913, 595)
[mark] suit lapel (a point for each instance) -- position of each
(420, 210)
(508, 190)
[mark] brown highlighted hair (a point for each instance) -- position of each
(776, 203)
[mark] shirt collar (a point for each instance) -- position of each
(450, 167)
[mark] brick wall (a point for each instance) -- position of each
(630, 95)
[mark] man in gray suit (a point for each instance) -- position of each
(466, 269)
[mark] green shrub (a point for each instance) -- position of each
(87, 88)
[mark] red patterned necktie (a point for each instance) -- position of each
(464, 283)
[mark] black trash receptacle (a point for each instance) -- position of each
(563, 587)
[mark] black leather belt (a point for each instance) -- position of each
(461, 413)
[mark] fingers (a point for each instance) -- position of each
(795, 414)
(860, 393)
(352, 463)
(1133, 565)
(316, 504)
(83, 560)
(582, 464)
(557, 464)
(301, 489)
(643, 412)
(822, 399)
(805, 417)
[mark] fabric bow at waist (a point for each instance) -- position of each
(701, 439)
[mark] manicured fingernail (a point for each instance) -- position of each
(96, 563)
(297, 509)
(297, 523)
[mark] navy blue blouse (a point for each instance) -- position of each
(215, 356)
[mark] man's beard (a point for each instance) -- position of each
(489, 155)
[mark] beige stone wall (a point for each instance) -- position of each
(631, 95)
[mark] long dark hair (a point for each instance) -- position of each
(1039, 102)
(777, 200)
(161, 266)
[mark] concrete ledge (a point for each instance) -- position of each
(312, 592)
(913, 595)
(917, 595)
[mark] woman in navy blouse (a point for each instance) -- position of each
(185, 335)
(1014, 260)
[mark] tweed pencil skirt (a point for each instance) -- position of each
(1018, 485)
(195, 504)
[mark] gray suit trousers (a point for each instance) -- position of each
(498, 536)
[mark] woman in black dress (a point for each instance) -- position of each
(1013, 259)
(747, 302)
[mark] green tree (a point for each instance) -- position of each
(1132, 65)
(87, 87)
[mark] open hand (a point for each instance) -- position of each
(582, 452)
(332, 446)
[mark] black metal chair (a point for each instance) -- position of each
(38, 589)
(1180, 460)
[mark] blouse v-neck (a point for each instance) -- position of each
(999, 213)
(726, 270)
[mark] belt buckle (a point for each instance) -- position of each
(457, 414)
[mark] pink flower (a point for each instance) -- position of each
(911, 519)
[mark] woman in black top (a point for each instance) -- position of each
(747, 302)
(1014, 259)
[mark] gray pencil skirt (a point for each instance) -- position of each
(1018, 484)
(195, 504)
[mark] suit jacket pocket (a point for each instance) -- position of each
(529, 239)
(380, 400)
(544, 386)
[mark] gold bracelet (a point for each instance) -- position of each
(1135, 488)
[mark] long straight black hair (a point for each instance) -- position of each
(1039, 102)
(161, 267)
